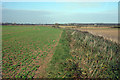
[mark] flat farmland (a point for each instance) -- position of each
(107, 33)
(26, 50)
(47, 52)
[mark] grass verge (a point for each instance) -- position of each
(56, 66)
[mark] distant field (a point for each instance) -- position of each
(107, 33)
(67, 26)
(26, 50)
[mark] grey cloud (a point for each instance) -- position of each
(9, 15)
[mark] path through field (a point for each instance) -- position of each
(41, 72)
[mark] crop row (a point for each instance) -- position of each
(23, 47)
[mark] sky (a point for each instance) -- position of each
(60, 12)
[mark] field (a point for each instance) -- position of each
(46, 52)
(107, 33)
(104, 31)
(27, 50)
(67, 26)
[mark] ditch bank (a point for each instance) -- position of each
(83, 55)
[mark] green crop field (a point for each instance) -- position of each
(27, 49)
(47, 52)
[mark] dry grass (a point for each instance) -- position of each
(67, 26)
(107, 33)
(91, 27)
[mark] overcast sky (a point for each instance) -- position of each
(60, 12)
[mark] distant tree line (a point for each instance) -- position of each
(56, 25)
